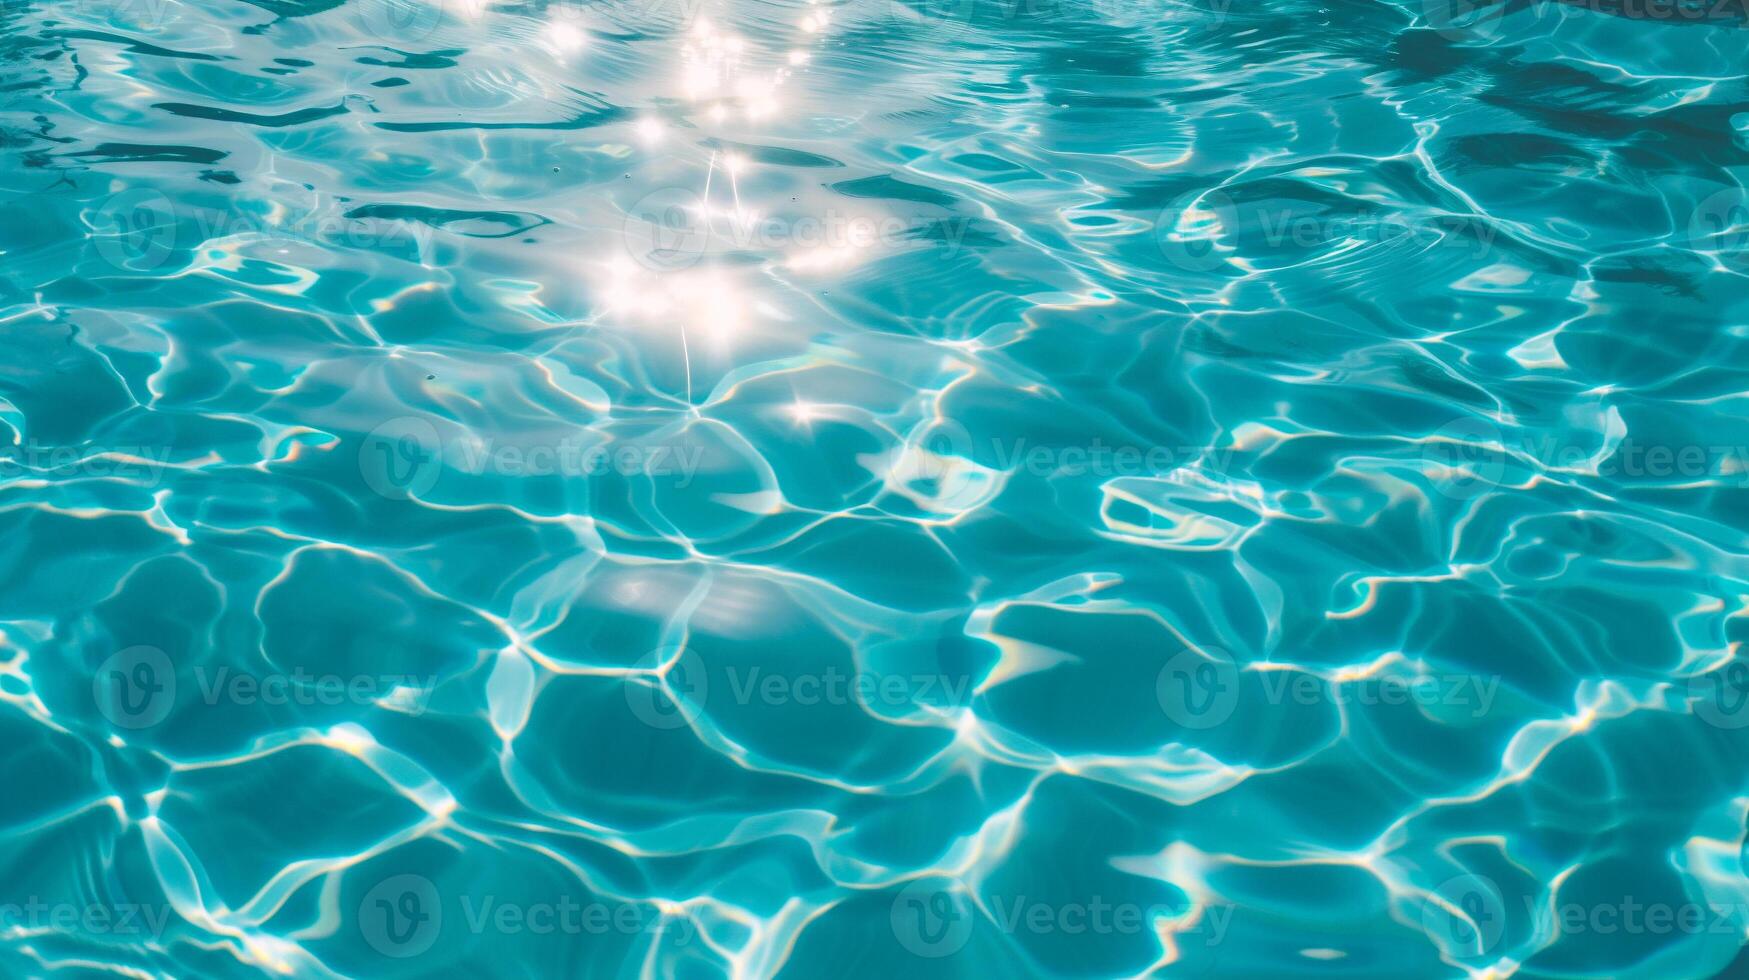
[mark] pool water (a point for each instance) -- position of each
(962, 488)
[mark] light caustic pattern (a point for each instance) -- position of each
(692, 488)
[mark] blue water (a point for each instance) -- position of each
(888, 488)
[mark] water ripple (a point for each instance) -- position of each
(663, 488)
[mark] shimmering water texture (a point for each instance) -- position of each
(888, 488)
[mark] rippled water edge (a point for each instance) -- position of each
(743, 488)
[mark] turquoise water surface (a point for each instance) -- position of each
(877, 488)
